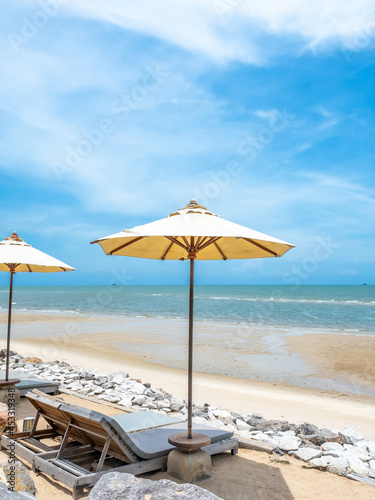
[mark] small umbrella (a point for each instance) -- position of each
(192, 233)
(16, 256)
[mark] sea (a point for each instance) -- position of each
(341, 309)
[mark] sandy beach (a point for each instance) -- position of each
(333, 409)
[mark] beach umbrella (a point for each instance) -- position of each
(16, 256)
(192, 233)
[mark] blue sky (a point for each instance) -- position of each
(114, 114)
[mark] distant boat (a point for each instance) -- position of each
(364, 284)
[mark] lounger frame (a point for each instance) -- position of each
(79, 442)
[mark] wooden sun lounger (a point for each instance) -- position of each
(139, 442)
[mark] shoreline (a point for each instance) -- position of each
(238, 351)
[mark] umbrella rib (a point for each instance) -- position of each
(185, 241)
(260, 246)
(200, 238)
(28, 267)
(175, 240)
(167, 250)
(202, 241)
(125, 245)
(221, 252)
(209, 242)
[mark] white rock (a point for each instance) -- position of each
(139, 400)
(163, 404)
(137, 388)
(244, 434)
(338, 463)
(119, 379)
(216, 423)
(285, 433)
(126, 401)
(242, 426)
(222, 414)
(352, 451)
(358, 466)
(333, 453)
(362, 445)
(76, 387)
(372, 464)
(319, 462)
(371, 448)
(231, 428)
(150, 405)
(98, 390)
(371, 473)
(55, 368)
(85, 390)
(199, 420)
(350, 435)
(180, 415)
(306, 454)
(328, 446)
(112, 399)
(287, 443)
(260, 436)
(211, 408)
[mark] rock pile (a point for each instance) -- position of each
(117, 486)
(343, 452)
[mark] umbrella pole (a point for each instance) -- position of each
(190, 362)
(9, 323)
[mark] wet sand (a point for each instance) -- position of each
(348, 356)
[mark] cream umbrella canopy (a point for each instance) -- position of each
(192, 233)
(16, 256)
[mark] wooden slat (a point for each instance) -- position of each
(42, 433)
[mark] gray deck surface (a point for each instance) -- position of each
(156, 440)
(30, 382)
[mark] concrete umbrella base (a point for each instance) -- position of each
(188, 462)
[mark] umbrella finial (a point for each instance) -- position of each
(14, 236)
(193, 204)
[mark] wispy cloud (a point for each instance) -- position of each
(198, 25)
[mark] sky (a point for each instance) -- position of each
(114, 114)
